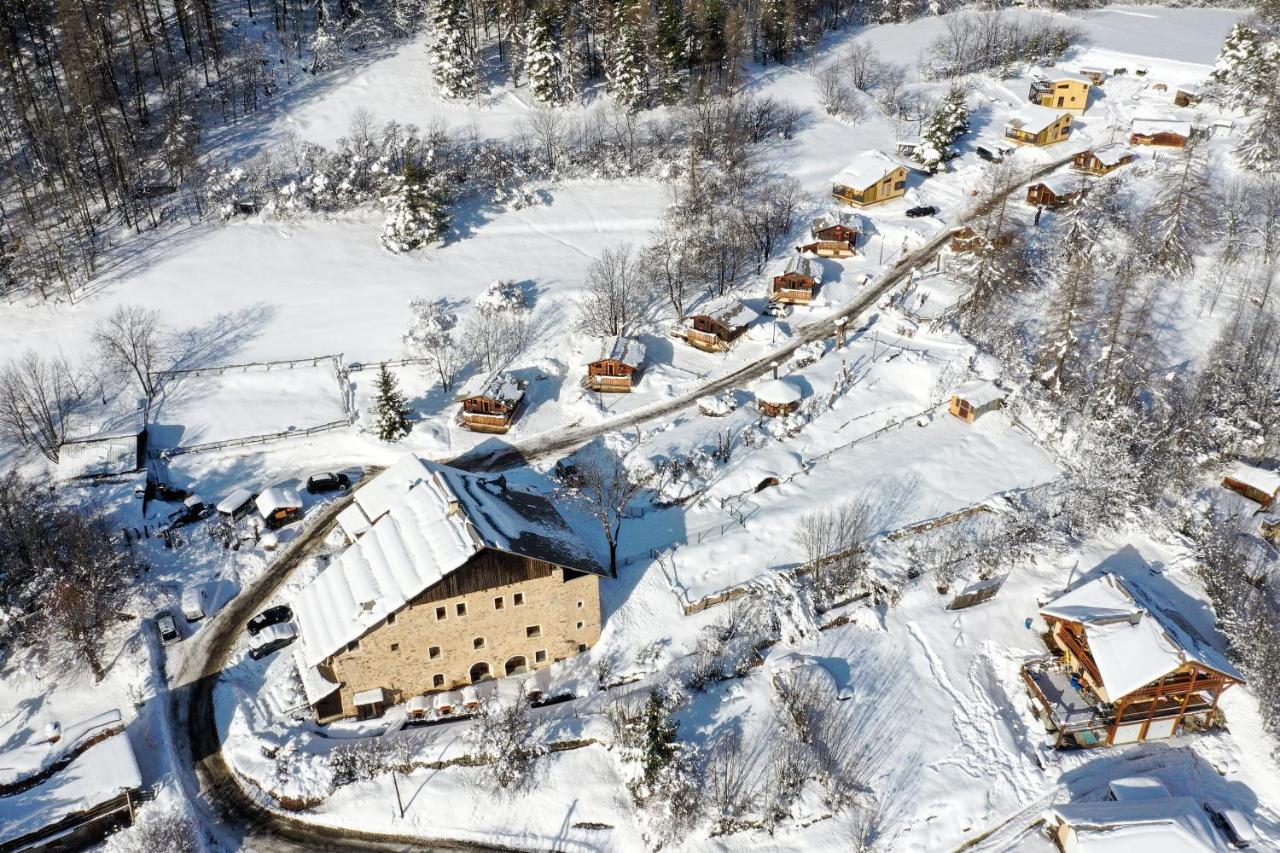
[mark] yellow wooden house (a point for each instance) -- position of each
(1061, 92)
(1034, 125)
(871, 178)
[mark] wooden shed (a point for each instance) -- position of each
(1187, 96)
(1033, 125)
(1260, 485)
(835, 234)
(1167, 133)
(617, 367)
(715, 325)
(873, 177)
(1061, 92)
(1097, 76)
(279, 505)
(799, 282)
(975, 399)
(493, 406)
(777, 397)
(1104, 160)
(1056, 190)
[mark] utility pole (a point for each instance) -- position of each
(396, 785)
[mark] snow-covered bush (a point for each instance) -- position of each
(431, 336)
(417, 214)
(660, 769)
(502, 736)
(158, 826)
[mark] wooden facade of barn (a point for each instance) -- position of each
(717, 325)
(834, 236)
(1160, 133)
(799, 283)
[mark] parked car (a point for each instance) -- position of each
(193, 509)
(778, 309)
(1234, 825)
(167, 627)
(270, 616)
(327, 482)
(271, 638)
(194, 600)
(923, 210)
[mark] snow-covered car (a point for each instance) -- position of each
(167, 627)
(194, 603)
(327, 482)
(1234, 825)
(777, 309)
(270, 616)
(272, 638)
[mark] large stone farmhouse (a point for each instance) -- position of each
(451, 579)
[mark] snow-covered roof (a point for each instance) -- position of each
(501, 386)
(1260, 478)
(314, 685)
(806, 264)
(94, 777)
(389, 487)
(1192, 89)
(103, 453)
(234, 501)
(353, 521)
(979, 392)
(1061, 183)
(1111, 155)
(1130, 643)
(281, 496)
(1034, 119)
(778, 392)
(370, 696)
(629, 351)
(832, 218)
(728, 310)
(1172, 825)
(1062, 76)
(31, 758)
(867, 168)
(431, 530)
(1132, 788)
(1152, 126)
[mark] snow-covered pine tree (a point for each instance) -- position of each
(627, 69)
(417, 212)
(543, 60)
(947, 124)
(454, 66)
(671, 60)
(390, 409)
(777, 29)
(1246, 64)
(1259, 148)
(1061, 344)
(1182, 211)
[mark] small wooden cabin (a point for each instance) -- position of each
(971, 401)
(493, 408)
(777, 397)
(1041, 126)
(1054, 191)
(1104, 160)
(1061, 92)
(279, 505)
(1187, 96)
(873, 177)
(1257, 484)
(799, 282)
(1097, 76)
(717, 324)
(618, 366)
(965, 241)
(835, 234)
(1167, 133)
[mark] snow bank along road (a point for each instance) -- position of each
(511, 455)
(256, 827)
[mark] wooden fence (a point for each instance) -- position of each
(247, 441)
(254, 366)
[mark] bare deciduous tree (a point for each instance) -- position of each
(38, 396)
(834, 541)
(431, 336)
(130, 340)
(614, 296)
(502, 734)
(608, 486)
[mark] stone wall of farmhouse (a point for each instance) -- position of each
(495, 610)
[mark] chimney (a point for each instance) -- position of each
(1135, 617)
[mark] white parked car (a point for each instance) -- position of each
(271, 638)
(194, 601)
(167, 626)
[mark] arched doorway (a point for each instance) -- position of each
(480, 672)
(517, 665)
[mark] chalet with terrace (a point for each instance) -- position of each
(1160, 132)
(835, 234)
(715, 325)
(1123, 671)
(1054, 191)
(452, 579)
(1151, 820)
(1260, 485)
(618, 366)
(1061, 92)
(493, 406)
(799, 282)
(1104, 160)
(873, 177)
(1033, 125)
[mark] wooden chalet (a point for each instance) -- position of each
(1033, 125)
(972, 401)
(1187, 96)
(1104, 160)
(279, 505)
(799, 282)
(1167, 133)
(835, 234)
(617, 367)
(1054, 191)
(1097, 76)
(873, 177)
(1122, 671)
(717, 324)
(494, 405)
(1259, 485)
(1061, 92)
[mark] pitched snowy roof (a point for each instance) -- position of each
(728, 310)
(102, 453)
(234, 501)
(980, 391)
(388, 488)
(1061, 183)
(629, 351)
(94, 777)
(1132, 788)
(867, 168)
(1061, 76)
(501, 386)
(1260, 478)
(778, 392)
(353, 521)
(831, 218)
(1170, 825)
(1131, 644)
(1031, 118)
(432, 529)
(282, 496)
(1152, 126)
(314, 684)
(1110, 155)
(806, 264)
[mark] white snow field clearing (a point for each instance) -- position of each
(207, 408)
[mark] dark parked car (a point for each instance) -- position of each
(270, 616)
(193, 509)
(924, 210)
(272, 638)
(328, 482)
(1234, 825)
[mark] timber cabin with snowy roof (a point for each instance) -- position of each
(454, 579)
(871, 178)
(835, 234)
(617, 367)
(1160, 132)
(1123, 672)
(1032, 125)
(1057, 190)
(715, 325)
(1104, 160)
(1061, 91)
(799, 282)
(493, 407)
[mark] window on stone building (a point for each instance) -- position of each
(477, 643)
(437, 680)
(441, 614)
(353, 645)
(391, 619)
(461, 608)
(533, 631)
(517, 599)
(395, 647)
(579, 626)
(433, 652)
(582, 647)
(540, 656)
(498, 603)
